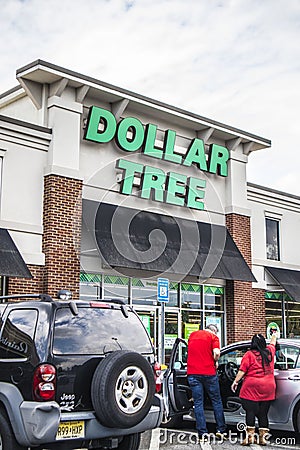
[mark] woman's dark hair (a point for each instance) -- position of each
(259, 344)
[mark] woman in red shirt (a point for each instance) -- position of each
(258, 388)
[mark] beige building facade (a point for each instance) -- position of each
(106, 192)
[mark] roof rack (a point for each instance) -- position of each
(42, 297)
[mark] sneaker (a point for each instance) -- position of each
(221, 436)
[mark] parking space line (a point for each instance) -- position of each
(205, 446)
(154, 443)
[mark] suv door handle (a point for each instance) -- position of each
(294, 378)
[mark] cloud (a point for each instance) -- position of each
(235, 61)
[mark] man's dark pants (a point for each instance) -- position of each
(209, 383)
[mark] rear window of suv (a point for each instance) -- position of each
(97, 331)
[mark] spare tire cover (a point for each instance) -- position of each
(122, 389)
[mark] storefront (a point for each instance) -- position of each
(120, 190)
(189, 305)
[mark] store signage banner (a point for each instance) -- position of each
(213, 320)
(154, 183)
(170, 341)
(189, 328)
(271, 328)
(146, 322)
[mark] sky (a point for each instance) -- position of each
(233, 61)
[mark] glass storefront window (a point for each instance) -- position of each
(149, 321)
(292, 319)
(273, 304)
(213, 309)
(190, 307)
(213, 298)
(171, 333)
(216, 319)
(90, 286)
(99, 286)
(144, 292)
(191, 321)
(284, 312)
(173, 295)
(116, 287)
(191, 296)
(90, 291)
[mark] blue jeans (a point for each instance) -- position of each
(209, 383)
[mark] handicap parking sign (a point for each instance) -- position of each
(162, 289)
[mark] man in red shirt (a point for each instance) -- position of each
(202, 361)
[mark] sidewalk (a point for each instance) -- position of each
(164, 439)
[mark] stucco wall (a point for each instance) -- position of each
(285, 208)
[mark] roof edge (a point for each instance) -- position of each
(22, 123)
(71, 73)
(275, 191)
(11, 91)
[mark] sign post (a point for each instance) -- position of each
(163, 298)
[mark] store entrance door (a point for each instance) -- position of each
(150, 321)
(172, 332)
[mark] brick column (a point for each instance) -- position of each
(245, 309)
(62, 233)
(259, 311)
(35, 285)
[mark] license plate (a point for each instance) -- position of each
(70, 430)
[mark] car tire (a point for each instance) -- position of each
(122, 389)
(7, 437)
(130, 442)
(296, 418)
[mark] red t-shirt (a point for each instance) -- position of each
(258, 385)
(200, 360)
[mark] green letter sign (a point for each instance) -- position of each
(97, 116)
(132, 136)
(130, 124)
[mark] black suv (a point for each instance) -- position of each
(75, 375)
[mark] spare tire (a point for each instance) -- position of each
(122, 389)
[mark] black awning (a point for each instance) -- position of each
(132, 239)
(11, 261)
(288, 279)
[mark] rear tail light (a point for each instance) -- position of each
(158, 374)
(44, 383)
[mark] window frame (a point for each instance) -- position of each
(269, 219)
(2, 153)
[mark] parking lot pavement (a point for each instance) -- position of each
(163, 439)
